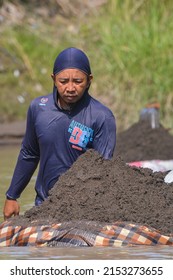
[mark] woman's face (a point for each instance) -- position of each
(71, 85)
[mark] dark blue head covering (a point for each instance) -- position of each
(72, 58)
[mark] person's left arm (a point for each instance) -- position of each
(105, 136)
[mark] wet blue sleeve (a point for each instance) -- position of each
(27, 160)
(105, 137)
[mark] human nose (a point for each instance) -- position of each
(70, 86)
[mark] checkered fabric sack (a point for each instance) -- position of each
(82, 233)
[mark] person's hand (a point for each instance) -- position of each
(11, 208)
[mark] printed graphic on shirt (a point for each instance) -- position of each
(80, 136)
(43, 101)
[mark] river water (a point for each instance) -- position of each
(8, 157)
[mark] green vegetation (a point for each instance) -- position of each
(130, 47)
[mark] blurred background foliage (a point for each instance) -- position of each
(129, 44)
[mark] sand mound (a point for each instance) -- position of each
(95, 189)
(140, 142)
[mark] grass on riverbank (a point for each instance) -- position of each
(129, 44)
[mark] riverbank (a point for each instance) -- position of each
(129, 46)
(12, 133)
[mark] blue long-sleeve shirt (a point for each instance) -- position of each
(55, 138)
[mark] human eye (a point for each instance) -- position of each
(63, 81)
(78, 81)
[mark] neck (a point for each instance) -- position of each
(64, 106)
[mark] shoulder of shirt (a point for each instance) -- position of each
(41, 99)
(100, 107)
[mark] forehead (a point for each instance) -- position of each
(71, 72)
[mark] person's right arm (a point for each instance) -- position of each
(26, 165)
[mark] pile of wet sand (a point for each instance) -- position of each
(140, 142)
(95, 189)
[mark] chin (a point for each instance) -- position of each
(72, 101)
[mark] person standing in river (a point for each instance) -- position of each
(60, 127)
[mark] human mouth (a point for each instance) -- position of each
(71, 97)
